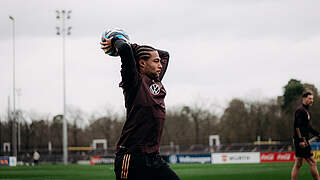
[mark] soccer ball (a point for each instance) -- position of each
(115, 32)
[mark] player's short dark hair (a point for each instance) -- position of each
(306, 94)
(143, 52)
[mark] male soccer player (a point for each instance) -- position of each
(142, 69)
(302, 128)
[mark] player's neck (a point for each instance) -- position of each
(153, 77)
(305, 105)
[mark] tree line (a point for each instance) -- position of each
(242, 121)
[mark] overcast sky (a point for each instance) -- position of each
(219, 49)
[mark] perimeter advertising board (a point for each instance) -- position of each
(8, 161)
(95, 160)
(190, 158)
(277, 157)
(316, 155)
(226, 158)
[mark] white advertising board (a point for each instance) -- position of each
(12, 161)
(245, 157)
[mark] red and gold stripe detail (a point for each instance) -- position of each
(125, 166)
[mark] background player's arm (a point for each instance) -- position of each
(303, 141)
(299, 133)
(297, 125)
(164, 55)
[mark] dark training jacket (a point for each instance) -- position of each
(302, 120)
(144, 102)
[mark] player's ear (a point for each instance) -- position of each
(142, 63)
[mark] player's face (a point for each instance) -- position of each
(153, 65)
(308, 100)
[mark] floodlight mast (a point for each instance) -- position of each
(14, 130)
(64, 15)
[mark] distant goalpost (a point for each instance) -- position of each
(97, 142)
(214, 140)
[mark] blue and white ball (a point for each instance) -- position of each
(115, 32)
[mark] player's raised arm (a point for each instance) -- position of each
(115, 42)
(129, 70)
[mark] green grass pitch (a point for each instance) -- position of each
(266, 171)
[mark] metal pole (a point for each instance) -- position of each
(19, 134)
(9, 115)
(64, 15)
(65, 139)
(14, 135)
(64, 129)
(19, 113)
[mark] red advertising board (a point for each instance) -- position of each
(94, 159)
(277, 157)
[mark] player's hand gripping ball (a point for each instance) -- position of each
(112, 33)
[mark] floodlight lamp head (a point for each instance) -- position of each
(58, 30)
(58, 14)
(69, 14)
